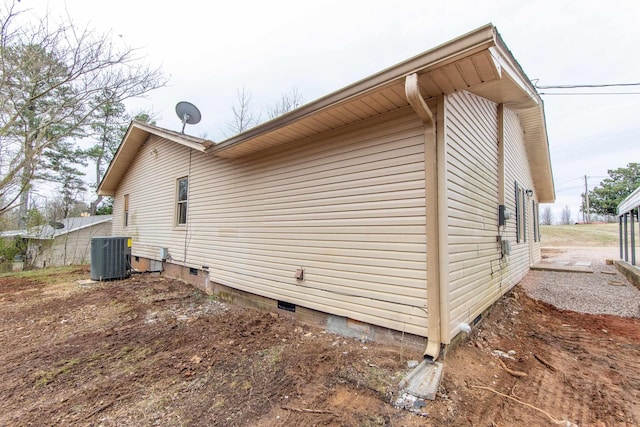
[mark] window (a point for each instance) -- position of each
(126, 210)
(183, 194)
(521, 218)
(536, 221)
(524, 215)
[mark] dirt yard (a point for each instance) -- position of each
(154, 351)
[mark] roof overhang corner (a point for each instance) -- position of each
(107, 193)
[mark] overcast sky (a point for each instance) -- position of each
(211, 49)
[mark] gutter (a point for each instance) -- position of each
(467, 44)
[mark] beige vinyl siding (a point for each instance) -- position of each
(478, 275)
(472, 190)
(524, 253)
(71, 248)
(348, 207)
(150, 185)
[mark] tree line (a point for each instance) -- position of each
(61, 84)
(604, 198)
(62, 110)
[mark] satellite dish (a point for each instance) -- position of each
(56, 225)
(188, 113)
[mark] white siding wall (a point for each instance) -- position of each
(348, 208)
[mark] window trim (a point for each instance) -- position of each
(125, 219)
(518, 191)
(521, 213)
(524, 216)
(536, 224)
(179, 203)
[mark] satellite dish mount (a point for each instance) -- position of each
(188, 113)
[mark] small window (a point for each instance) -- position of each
(126, 210)
(518, 192)
(183, 194)
(536, 221)
(524, 216)
(521, 214)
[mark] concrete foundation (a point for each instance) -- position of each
(336, 324)
(631, 272)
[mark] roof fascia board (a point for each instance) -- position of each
(38, 235)
(467, 44)
(631, 202)
(507, 67)
(543, 122)
(197, 144)
(513, 68)
(180, 139)
(114, 161)
(91, 224)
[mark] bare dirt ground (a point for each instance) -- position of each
(154, 351)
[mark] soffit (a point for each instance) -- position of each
(456, 65)
(477, 62)
(455, 76)
(631, 202)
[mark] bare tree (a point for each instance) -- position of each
(243, 115)
(62, 206)
(566, 215)
(547, 216)
(287, 102)
(54, 77)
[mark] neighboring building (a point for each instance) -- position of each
(378, 204)
(63, 242)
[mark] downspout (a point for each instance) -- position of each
(432, 212)
(443, 223)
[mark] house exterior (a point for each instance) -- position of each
(407, 201)
(63, 242)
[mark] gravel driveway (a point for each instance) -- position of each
(605, 291)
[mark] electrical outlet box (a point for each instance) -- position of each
(503, 215)
(300, 274)
(505, 246)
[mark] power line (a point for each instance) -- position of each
(562, 190)
(590, 93)
(569, 180)
(585, 86)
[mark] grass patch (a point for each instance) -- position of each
(50, 275)
(370, 377)
(273, 355)
(45, 378)
(580, 235)
(129, 354)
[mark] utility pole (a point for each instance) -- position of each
(586, 198)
